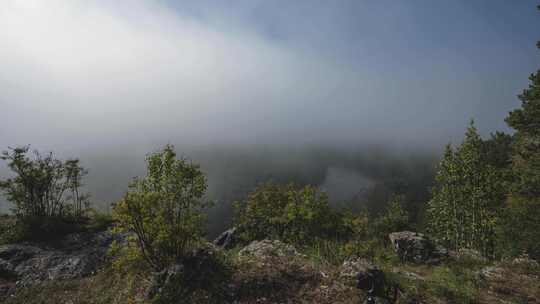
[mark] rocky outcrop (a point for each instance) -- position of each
(77, 255)
(415, 247)
(227, 240)
(269, 248)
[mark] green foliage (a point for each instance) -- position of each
(362, 237)
(357, 225)
(447, 284)
(467, 198)
(127, 258)
(98, 220)
(44, 186)
(36, 228)
(522, 225)
(289, 213)
(396, 218)
(521, 230)
(497, 150)
(164, 209)
(10, 231)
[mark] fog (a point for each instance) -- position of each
(266, 84)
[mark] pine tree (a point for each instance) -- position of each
(467, 197)
(445, 219)
(523, 221)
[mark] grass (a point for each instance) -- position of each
(106, 287)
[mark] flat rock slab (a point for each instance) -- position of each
(77, 255)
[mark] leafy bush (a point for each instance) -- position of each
(44, 186)
(289, 213)
(164, 209)
(396, 218)
(36, 228)
(358, 225)
(127, 259)
(98, 220)
(10, 232)
(367, 237)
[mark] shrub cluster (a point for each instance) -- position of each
(294, 214)
(45, 193)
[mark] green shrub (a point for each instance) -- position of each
(289, 213)
(43, 186)
(357, 225)
(396, 218)
(38, 228)
(127, 258)
(46, 196)
(164, 209)
(10, 231)
(98, 221)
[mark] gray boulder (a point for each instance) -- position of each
(415, 247)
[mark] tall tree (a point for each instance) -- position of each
(467, 198)
(523, 225)
(444, 209)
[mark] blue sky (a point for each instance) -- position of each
(485, 49)
(203, 72)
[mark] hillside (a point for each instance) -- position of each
(78, 270)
